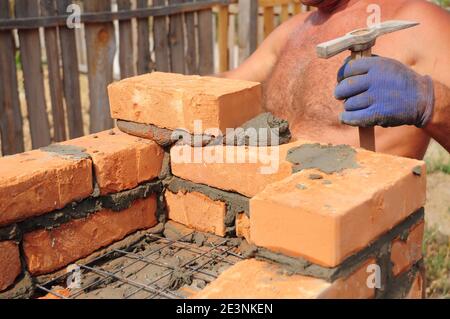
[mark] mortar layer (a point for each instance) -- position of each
(326, 158)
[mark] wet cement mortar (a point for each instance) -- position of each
(325, 158)
(172, 261)
(269, 129)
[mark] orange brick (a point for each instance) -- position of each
(121, 161)
(50, 250)
(417, 290)
(255, 279)
(197, 211)
(405, 254)
(242, 169)
(38, 182)
(10, 266)
(243, 226)
(175, 101)
(326, 223)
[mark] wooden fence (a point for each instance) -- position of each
(38, 46)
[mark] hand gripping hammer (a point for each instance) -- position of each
(360, 43)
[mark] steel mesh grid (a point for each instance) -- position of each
(221, 250)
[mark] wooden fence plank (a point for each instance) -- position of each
(268, 21)
(223, 39)
(71, 80)
(30, 53)
(176, 41)
(297, 7)
(143, 47)
(191, 42)
(205, 42)
(125, 42)
(10, 115)
(248, 28)
(284, 13)
(101, 47)
(54, 76)
(160, 38)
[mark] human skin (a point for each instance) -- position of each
(299, 87)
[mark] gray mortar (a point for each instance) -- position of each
(77, 210)
(274, 131)
(66, 151)
(166, 137)
(235, 203)
(326, 158)
(166, 171)
(378, 249)
(161, 136)
(23, 288)
(9, 232)
(123, 200)
(399, 287)
(417, 170)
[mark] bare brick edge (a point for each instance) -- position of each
(380, 249)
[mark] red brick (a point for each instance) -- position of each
(175, 101)
(121, 161)
(326, 223)
(405, 253)
(49, 250)
(417, 290)
(255, 279)
(243, 226)
(197, 211)
(38, 182)
(10, 266)
(228, 173)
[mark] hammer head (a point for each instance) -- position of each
(361, 39)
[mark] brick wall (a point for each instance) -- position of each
(320, 221)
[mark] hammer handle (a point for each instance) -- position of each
(366, 134)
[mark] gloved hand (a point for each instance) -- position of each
(382, 91)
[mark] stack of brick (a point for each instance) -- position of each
(63, 202)
(329, 213)
(319, 221)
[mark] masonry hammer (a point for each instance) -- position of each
(360, 43)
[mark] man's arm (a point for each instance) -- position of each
(259, 65)
(439, 125)
(382, 91)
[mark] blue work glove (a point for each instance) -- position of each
(384, 92)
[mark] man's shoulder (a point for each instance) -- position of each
(421, 10)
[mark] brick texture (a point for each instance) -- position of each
(49, 250)
(417, 290)
(243, 226)
(229, 171)
(10, 266)
(327, 222)
(405, 253)
(197, 211)
(37, 182)
(255, 279)
(175, 101)
(121, 161)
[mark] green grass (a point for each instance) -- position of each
(437, 263)
(437, 159)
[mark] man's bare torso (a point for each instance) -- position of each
(301, 86)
